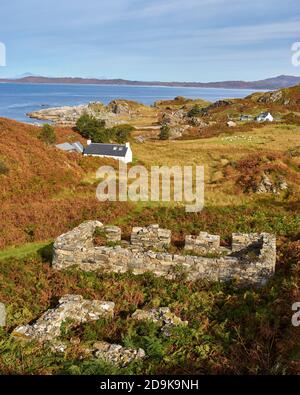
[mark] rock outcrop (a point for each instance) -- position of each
(266, 185)
(231, 124)
(253, 264)
(216, 105)
(179, 121)
(115, 113)
(288, 97)
(68, 115)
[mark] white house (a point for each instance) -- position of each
(120, 152)
(265, 116)
(246, 117)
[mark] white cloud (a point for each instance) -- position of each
(196, 39)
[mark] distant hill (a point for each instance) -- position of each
(281, 81)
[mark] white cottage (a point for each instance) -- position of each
(265, 116)
(120, 152)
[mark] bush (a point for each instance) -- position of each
(194, 111)
(47, 134)
(94, 129)
(121, 133)
(3, 168)
(164, 132)
(91, 127)
(291, 119)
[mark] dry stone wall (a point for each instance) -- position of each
(152, 236)
(204, 243)
(112, 233)
(251, 260)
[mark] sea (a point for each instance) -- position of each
(17, 100)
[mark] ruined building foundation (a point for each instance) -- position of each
(251, 258)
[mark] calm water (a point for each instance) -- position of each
(18, 99)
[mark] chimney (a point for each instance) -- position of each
(127, 145)
(89, 142)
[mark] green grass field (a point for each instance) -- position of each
(25, 250)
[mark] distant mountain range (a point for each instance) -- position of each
(281, 81)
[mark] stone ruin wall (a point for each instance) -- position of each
(73, 310)
(251, 259)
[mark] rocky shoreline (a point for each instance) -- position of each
(68, 115)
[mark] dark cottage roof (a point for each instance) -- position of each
(264, 114)
(118, 150)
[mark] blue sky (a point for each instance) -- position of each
(166, 40)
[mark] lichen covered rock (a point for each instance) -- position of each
(117, 354)
(71, 307)
(162, 316)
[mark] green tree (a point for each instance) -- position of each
(121, 133)
(100, 136)
(47, 134)
(90, 127)
(164, 132)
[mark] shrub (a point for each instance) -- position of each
(94, 129)
(195, 111)
(99, 236)
(164, 132)
(292, 119)
(30, 231)
(3, 168)
(47, 134)
(294, 152)
(101, 136)
(121, 133)
(90, 127)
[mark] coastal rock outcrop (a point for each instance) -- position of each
(115, 113)
(68, 115)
